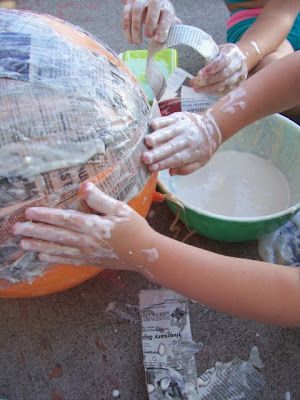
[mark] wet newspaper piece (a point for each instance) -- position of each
(168, 347)
(180, 96)
(185, 35)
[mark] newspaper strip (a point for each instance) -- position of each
(235, 380)
(169, 362)
(186, 35)
(168, 347)
(180, 96)
(70, 111)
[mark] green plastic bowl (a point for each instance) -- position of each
(275, 138)
(136, 60)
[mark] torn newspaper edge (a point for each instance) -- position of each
(185, 35)
(169, 361)
(234, 380)
(180, 96)
(168, 346)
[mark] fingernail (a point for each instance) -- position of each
(86, 187)
(29, 213)
(149, 141)
(153, 125)
(25, 245)
(17, 228)
(148, 158)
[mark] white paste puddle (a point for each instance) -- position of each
(235, 184)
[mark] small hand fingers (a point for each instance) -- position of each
(234, 65)
(220, 77)
(165, 150)
(137, 21)
(152, 18)
(165, 21)
(234, 80)
(161, 122)
(175, 161)
(60, 260)
(101, 202)
(70, 219)
(99, 262)
(214, 67)
(51, 248)
(127, 22)
(163, 135)
(52, 234)
(216, 88)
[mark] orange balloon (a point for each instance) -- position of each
(60, 277)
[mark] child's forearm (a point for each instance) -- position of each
(269, 30)
(245, 288)
(275, 88)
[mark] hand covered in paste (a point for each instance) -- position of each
(224, 73)
(157, 16)
(115, 236)
(182, 142)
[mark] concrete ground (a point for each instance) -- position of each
(65, 346)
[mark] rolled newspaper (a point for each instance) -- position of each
(185, 35)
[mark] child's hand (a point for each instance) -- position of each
(224, 73)
(182, 142)
(115, 236)
(156, 15)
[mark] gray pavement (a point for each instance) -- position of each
(65, 346)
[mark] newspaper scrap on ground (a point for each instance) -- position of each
(124, 312)
(168, 346)
(169, 361)
(237, 379)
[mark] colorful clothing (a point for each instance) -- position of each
(241, 20)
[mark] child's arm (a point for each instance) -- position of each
(182, 142)
(122, 239)
(245, 288)
(264, 37)
(269, 30)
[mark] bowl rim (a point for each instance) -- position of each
(291, 210)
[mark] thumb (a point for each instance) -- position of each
(99, 201)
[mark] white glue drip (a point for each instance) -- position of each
(152, 254)
(234, 101)
(235, 184)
